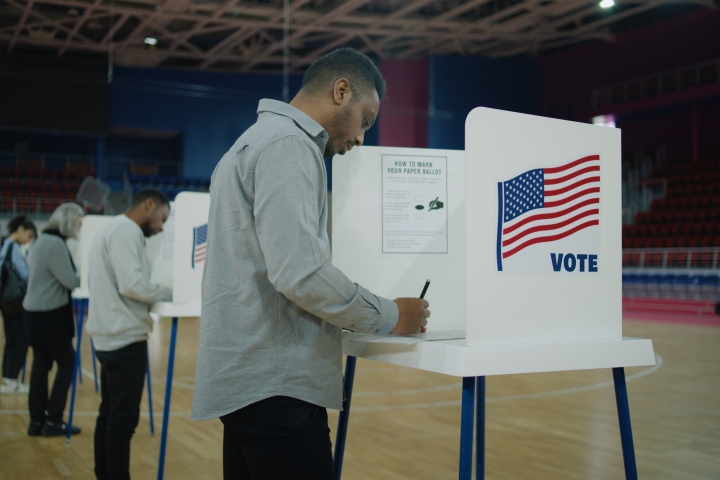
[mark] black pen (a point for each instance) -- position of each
(427, 284)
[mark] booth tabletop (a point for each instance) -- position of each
(455, 357)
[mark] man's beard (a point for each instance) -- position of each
(147, 230)
(337, 128)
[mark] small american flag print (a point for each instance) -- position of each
(199, 245)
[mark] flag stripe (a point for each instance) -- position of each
(551, 238)
(572, 197)
(555, 181)
(548, 216)
(551, 226)
(570, 165)
(575, 185)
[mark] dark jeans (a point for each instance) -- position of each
(38, 401)
(279, 437)
(15, 346)
(122, 378)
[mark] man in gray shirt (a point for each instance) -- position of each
(119, 322)
(270, 350)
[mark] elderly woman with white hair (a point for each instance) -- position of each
(49, 320)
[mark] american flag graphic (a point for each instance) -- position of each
(547, 204)
(199, 245)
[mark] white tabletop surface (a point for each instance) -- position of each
(454, 357)
(180, 310)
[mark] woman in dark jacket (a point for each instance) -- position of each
(49, 320)
(22, 230)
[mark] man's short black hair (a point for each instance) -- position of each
(144, 194)
(362, 73)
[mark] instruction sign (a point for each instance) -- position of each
(414, 205)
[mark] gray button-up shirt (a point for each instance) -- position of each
(272, 302)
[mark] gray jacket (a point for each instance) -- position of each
(273, 304)
(52, 275)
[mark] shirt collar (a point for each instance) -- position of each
(310, 126)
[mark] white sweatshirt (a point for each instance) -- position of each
(120, 288)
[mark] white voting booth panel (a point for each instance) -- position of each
(519, 288)
(171, 253)
(162, 266)
(357, 231)
(191, 214)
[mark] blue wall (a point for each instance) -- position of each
(459, 84)
(210, 110)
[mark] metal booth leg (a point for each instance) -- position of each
(76, 368)
(480, 429)
(466, 428)
(626, 438)
(149, 392)
(166, 406)
(344, 416)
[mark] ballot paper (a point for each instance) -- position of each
(410, 339)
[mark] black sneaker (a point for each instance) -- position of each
(58, 429)
(35, 429)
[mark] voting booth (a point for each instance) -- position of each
(520, 235)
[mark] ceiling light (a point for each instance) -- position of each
(151, 41)
(607, 3)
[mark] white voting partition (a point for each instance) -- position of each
(543, 229)
(362, 184)
(90, 227)
(190, 229)
(162, 266)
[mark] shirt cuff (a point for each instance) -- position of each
(389, 314)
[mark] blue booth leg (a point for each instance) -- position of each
(166, 406)
(92, 347)
(480, 429)
(466, 428)
(76, 367)
(80, 316)
(626, 438)
(344, 416)
(149, 387)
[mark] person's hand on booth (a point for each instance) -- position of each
(412, 316)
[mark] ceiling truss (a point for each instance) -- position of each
(246, 35)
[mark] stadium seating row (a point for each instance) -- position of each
(684, 259)
(695, 229)
(22, 174)
(681, 242)
(697, 287)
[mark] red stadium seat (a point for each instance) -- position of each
(678, 216)
(697, 229)
(664, 230)
(8, 204)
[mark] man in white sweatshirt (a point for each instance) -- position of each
(119, 322)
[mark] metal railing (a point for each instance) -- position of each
(671, 258)
(657, 84)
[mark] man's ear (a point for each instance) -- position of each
(341, 91)
(149, 204)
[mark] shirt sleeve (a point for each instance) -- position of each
(125, 251)
(288, 185)
(19, 263)
(60, 265)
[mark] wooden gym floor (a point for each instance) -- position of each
(405, 423)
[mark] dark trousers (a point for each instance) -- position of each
(15, 346)
(279, 437)
(122, 378)
(38, 401)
